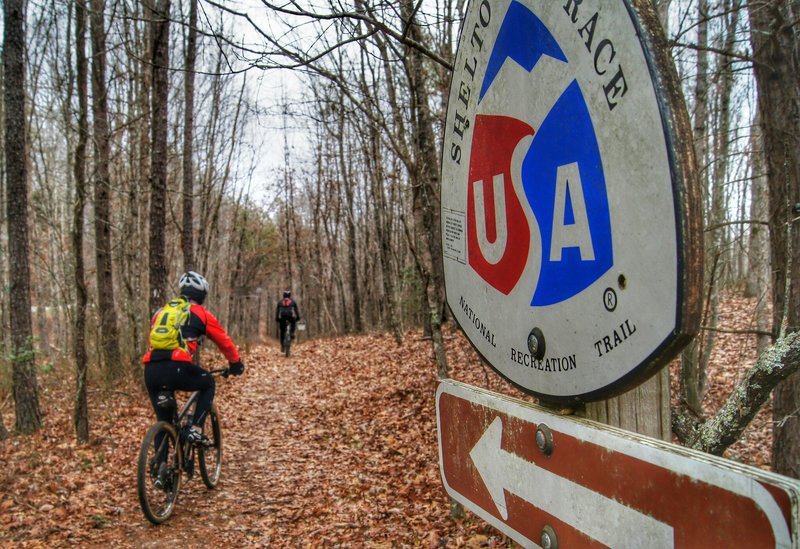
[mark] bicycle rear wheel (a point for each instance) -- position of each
(210, 455)
(158, 476)
(287, 342)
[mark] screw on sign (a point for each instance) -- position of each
(551, 481)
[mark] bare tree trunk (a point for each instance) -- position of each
(347, 183)
(716, 233)
(663, 13)
(206, 201)
(4, 336)
(774, 41)
(692, 378)
(382, 222)
(158, 158)
(5, 332)
(758, 269)
(233, 282)
(137, 195)
(81, 412)
(25, 387)
(188, 141)
(288, 198)
(102, 196)
(374, 163)
(425, 192)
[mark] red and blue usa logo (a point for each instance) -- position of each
(568, 195)
(536, 179)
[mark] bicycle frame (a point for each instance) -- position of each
(177, 420)
(161, 465)
(179, 416)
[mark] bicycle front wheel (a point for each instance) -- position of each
(159, 476)
(210, 453)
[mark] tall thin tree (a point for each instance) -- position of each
(774, 40)
(102, 195)
(758, 268)
(187, 235)
(25, 387)
(81, 412)
(691, 357)
(3, 304)
(347, 184)
(425, 189)
(158, 155)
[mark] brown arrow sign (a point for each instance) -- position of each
(542, 478)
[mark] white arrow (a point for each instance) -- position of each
(600, 518)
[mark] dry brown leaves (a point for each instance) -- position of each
(334, 446)
(732, 356)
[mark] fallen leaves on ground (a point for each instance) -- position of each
(335, 446)
(733, 354)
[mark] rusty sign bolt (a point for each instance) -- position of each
(544, 439)
(549, 538)
(536, 344)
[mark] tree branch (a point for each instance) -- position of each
(375, 23)
(740, 222)
(738, 332)
(718, 433)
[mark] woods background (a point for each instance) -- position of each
(297, 145)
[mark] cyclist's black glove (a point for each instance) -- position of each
(237, 368)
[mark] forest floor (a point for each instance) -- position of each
(335, 446)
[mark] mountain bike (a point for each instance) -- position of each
(166, 455)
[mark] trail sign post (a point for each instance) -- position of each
(571, 255)
(552, 481)
(572, 259)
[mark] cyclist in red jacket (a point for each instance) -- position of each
(168, 370)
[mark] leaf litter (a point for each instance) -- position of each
(335, 446)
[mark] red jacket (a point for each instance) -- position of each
(201, 322)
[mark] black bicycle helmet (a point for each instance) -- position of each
(287, 293)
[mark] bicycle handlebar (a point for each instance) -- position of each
(224, 372)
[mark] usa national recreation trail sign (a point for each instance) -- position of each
(571, 251)
(557, 482)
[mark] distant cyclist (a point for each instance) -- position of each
(287, 314)
(176, 332)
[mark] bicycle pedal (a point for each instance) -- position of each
(161, 477)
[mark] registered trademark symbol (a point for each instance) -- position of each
(610, 299)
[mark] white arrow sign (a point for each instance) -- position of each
(591, 483)
(599, 517)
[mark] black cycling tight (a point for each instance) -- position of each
(182, 376)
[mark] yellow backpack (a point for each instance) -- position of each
(165, 335)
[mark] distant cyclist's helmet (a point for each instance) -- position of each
(194, 286)
(287, 293)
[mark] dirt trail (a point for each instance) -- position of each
(334, 446)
